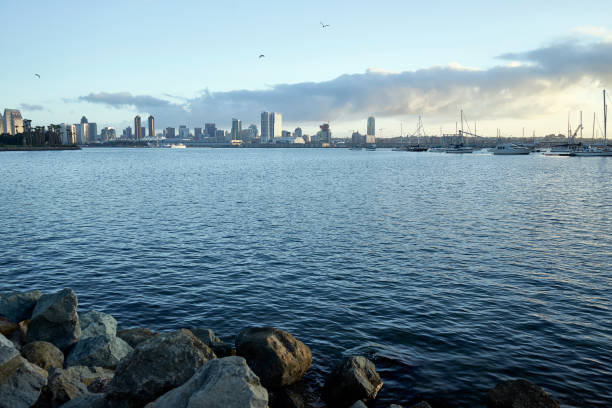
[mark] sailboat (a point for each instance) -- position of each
(460, 148)
(596, 151)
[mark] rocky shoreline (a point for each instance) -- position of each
(52, 356)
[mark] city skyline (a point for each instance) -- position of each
(528, 71)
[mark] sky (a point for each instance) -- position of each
(509, 65)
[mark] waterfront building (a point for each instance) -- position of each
(151, 121)
(271, 126)
(108, 133)
(357, 139)
(68, 133)
(137, 127)
(170, 132)
(253, 132)
(127, 133)
(210, 130)
(297, 132)
(236, 129)
(183, 132)
(143, 131)
(371, 130)
(220, 136)
(13, 122)
(83, 131)
(92, 132)
(197, 133)
(324, 135)
(1, 124)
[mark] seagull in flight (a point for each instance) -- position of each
(261, 56)
(37, 75)
(324, 25)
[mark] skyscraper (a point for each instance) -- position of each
(1, 124)
(236, 129)
(92, 132)
(137, 128)
(197, 133)
(83, 131)
(170, 132)
(271, 126)
(13, 122)
(371, 126)
(183, 132)
(297, 132)
(210, 130)
(151, 126)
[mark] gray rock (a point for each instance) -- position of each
(99, 351)
(7, 327)
(7, 350)
(87, 401)
(519, 394)
(55, 319)
(278, 358)
(221, 383)
(17, 306)
(87, 375)
(94, 323)
(209, 338)
(62, 386)
(158, 365)
(20, 382)
(43, 354)
(136, 335)
(355, 378)
(361, 404)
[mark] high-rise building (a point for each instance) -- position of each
(220, 136)
(236, 129)
(13, 122)
(371, 126)
(197, 133)
(271, 126)
(210, 130)
(92, 132)
(137, 128)
(324, 135)
(297, 132)
(151, 126)
(253, 132)
(83, 131)
(183, 132)
(127, 133)
(1, 124)
(170, 132)
(108, 133)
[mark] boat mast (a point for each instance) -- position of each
(461, 126)
(580, 126)
(593, 134)
(605, 120)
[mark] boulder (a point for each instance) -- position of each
(519, 394)
(55, 319)
(94, 323)
(87, 375)
(355, 378)
(62, 386)
(217, 345)
(87, 401)
(20, 381)
(298, 395)
(7, 350)
(136, 336)
(17, 306)
(221, 383)
(421, 404)
(278, 358)
(7, 327)
(43, 354)
(99, 351)
(361, 404)
(99, 385)
(158, 365)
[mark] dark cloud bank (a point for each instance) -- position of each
(522, 84)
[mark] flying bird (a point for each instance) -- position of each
(324, 25)
(261, 56)
(38, 75)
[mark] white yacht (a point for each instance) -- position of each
(178, 146)
(437, 149)
(460, 149)
(510, 149)
(591, 151)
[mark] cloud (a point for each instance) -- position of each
(524, 85)
(29, 107)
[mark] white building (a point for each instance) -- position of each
(13, 122)
(271, 126)
(68, 133)
(371, 126)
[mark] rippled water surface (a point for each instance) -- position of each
(451, 272)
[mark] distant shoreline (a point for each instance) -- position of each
(36, 148)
